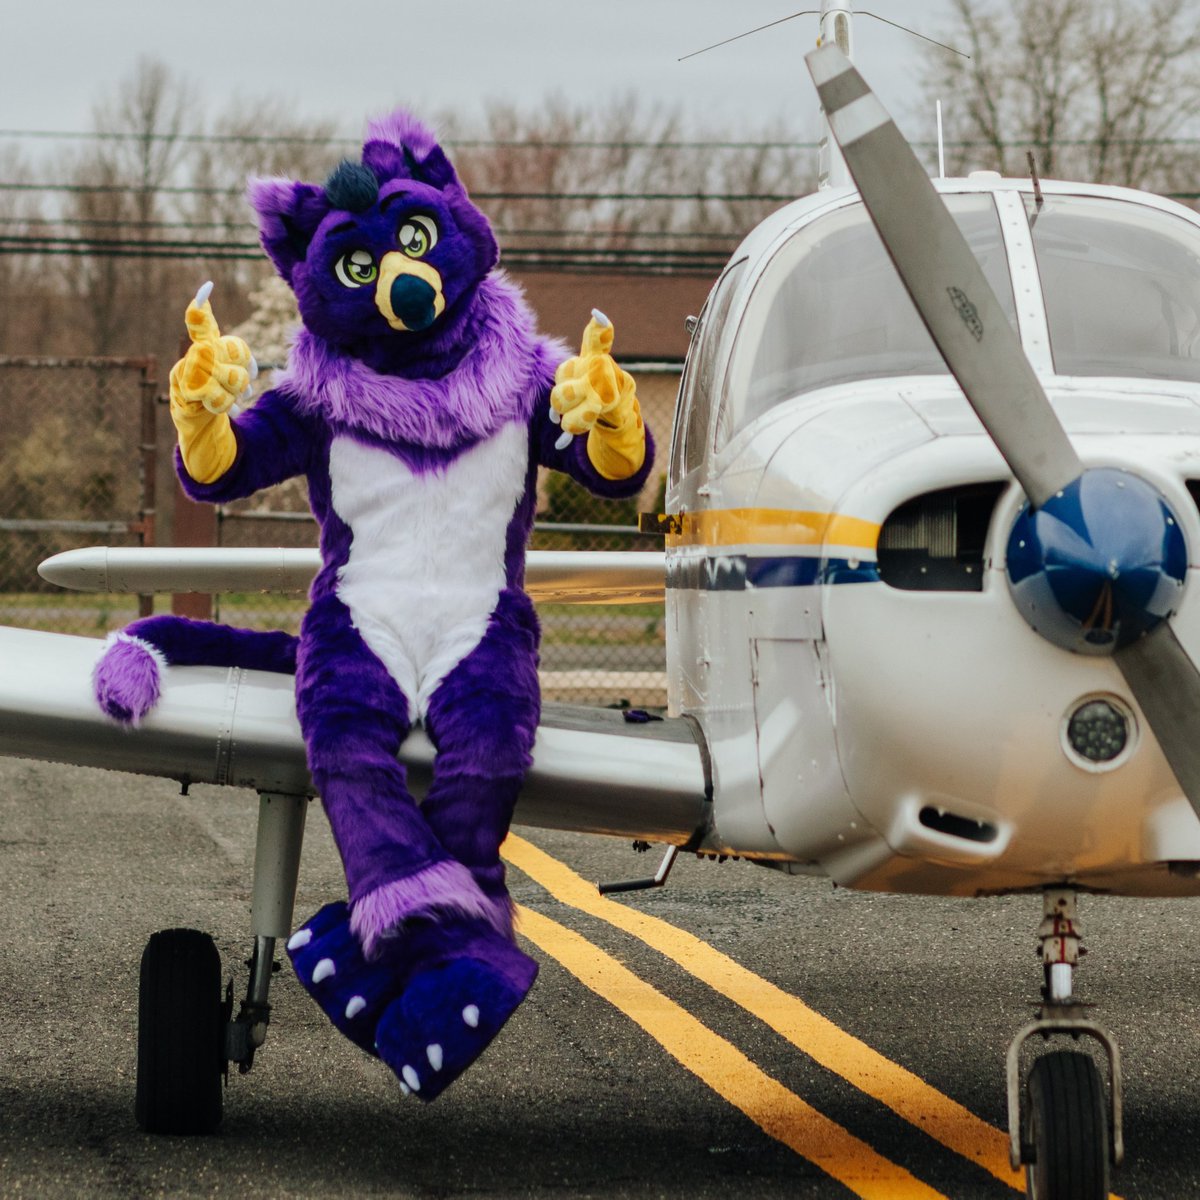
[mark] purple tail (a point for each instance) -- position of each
(128, 678)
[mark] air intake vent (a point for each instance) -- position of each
(953, 825)
(935, 542)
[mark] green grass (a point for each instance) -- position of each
(95, 614)
(89, 613)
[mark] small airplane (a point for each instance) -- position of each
(933, 508)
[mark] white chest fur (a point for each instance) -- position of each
(426, 561)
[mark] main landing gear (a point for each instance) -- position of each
(187, 1033)
(1066, 1136)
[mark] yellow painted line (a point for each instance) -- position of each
(778, 1112)
(774, 527)
(905, 1093)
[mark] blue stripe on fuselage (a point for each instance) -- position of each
(737, 572)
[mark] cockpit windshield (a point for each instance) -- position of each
(1122, 288)
(831, 309)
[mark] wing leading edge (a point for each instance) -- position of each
(593, 771)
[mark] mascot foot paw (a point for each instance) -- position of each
(449, 1013)
(329, 962)
(127, 679)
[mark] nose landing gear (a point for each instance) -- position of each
(1063, 1134)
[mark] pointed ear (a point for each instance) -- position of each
(434, 169)
(288, 216)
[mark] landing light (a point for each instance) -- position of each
(1096, 734)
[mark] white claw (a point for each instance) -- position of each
(253, 367)
(325, 969)
(405, 1090)
(555, 416)
(299, 939)
(600, 318)
(246, 394)
(471, 1015)
(411, 1078)
(433, 1052)
(564, 441)
(356, 1005)
(203, 294)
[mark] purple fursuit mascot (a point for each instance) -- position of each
(418, 402)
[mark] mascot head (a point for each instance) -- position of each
(387, 255)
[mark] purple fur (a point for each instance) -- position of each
(188, 643)
(444, 890)
(497, 380)
(126, 680)
(390, 135)
(289, 214)
(423, 361)
(488, 974)
(306, 237)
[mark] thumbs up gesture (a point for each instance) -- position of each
(216, 371)
(589, 385)
(205, 384)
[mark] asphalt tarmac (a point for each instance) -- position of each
(623, 1075)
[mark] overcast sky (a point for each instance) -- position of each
(342, 62)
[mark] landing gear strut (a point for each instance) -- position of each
(1063, 1135)
(186, 1035)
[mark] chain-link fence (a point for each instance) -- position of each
(607, 654)
(77, 456)
(77, 469)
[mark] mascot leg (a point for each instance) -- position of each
(356, 961)
(468, 977)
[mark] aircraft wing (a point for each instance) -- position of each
(593, 770)
(555, 576)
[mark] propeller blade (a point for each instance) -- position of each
(984, 354)
(945, 281)
(1166, 684)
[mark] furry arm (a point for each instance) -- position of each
(593, 395)
(204, 385)
(272, 442)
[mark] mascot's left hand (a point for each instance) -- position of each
(593, 395)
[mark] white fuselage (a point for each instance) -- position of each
(858, 728)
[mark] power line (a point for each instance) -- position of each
(202, 190)
(654, 261)
(501, 231)
(355, 142)
(531, 143)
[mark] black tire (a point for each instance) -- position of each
(181, 1055)
(1066, 1129)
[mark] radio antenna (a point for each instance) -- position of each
(812, 12)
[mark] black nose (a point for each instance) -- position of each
(412, 301)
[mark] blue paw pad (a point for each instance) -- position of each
(329, 962)
(448, 1015)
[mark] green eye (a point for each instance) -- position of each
(418, 235)
(356, 269)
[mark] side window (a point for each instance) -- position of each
(696, 324)
(697, 399)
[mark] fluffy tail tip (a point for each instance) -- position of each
(127, 680)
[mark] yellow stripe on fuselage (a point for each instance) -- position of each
(773, 527)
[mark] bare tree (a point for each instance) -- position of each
(23, 306)
(1099, 90)
(121, 200)
(575, 181)
(259, 137)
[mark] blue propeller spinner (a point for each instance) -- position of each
(1099, 564)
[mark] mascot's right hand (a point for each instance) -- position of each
(205, 384)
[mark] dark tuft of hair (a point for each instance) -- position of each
(352, 187)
